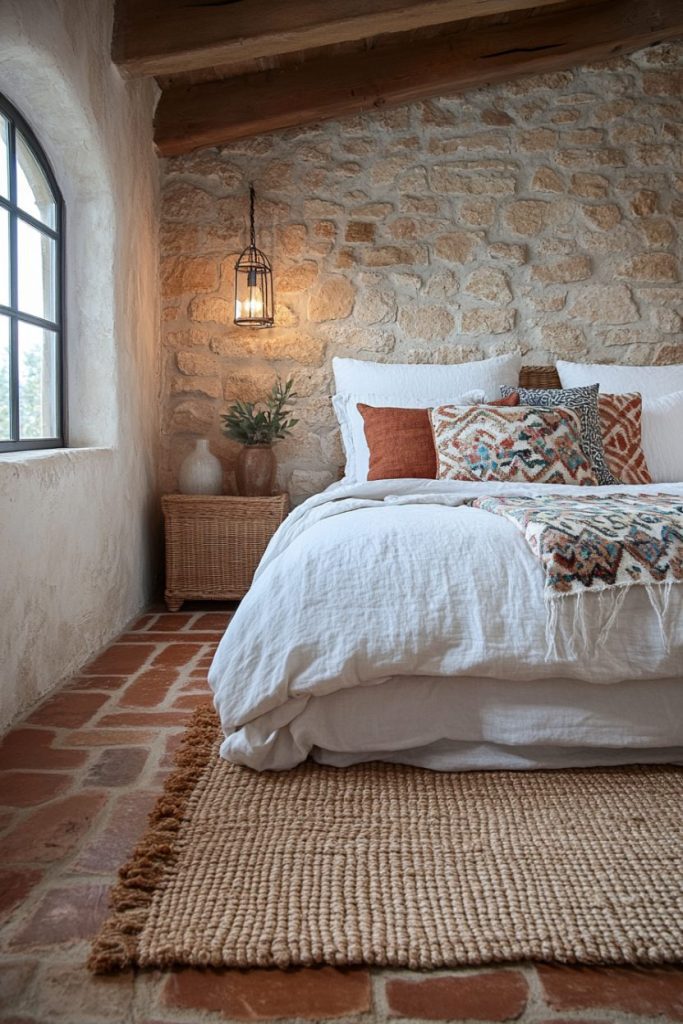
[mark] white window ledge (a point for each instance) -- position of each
(71, 456)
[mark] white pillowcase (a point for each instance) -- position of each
(409, 386)
(422, 380)
(662, 435)
(649, 381)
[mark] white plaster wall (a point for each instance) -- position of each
(78, 526)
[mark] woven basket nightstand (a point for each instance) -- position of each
(213, 544)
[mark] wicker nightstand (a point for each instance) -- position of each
(213, 544)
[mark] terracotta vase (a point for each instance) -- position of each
(255, 472)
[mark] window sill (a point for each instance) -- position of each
(71, 456)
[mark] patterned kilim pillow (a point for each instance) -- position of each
(484, 442)
(585, 401)
(620, 420)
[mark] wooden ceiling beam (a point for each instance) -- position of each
(168, 37)
(217, 112)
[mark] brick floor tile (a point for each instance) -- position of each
(143, 622)
(71, 995)
(49, 833)
(32, 748)
(97, 683)
(26, 789)
(117, 766)
(213, 620)
(266, 995)
(149, 688)
(15, 886)
(120, 659)
(645, 992)
(68, 710)
(498, 995)
(177, 655)
(114, 842)
(147, 718)
(110, 738)
(172, 622)
(64, 914)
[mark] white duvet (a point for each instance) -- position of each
(388, 619)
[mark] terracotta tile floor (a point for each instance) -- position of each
(77, 779)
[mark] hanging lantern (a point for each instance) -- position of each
(253, 282)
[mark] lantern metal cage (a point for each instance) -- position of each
(253, 282)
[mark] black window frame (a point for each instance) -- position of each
(58, 325)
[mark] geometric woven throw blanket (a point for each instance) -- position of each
(592, 543)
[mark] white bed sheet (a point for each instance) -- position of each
(400, 581)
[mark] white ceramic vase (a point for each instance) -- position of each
(201, 472)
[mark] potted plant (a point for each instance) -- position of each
(257, 427)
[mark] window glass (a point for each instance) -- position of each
(37, 382)
(34, 194)
(31, 339)
(4, 257)
(4, 379)
(4, 157)
(35, 271)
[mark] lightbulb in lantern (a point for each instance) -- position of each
(252, 306)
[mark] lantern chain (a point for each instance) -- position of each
(251, 216)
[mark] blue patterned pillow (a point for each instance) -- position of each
(585, 401)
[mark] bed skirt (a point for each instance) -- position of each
(467, 723)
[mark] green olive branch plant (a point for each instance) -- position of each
(263, 422)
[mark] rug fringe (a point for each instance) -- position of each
(116, 946)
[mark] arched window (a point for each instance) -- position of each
(31, 299)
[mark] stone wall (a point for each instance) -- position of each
(542, 217)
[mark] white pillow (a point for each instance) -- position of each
(423, 380)
(353, 429)
(650, 381)
(662, 434)
(407, 386)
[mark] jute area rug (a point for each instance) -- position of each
(402, 867)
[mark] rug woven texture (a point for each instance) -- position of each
(404, 867)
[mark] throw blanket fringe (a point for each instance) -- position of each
(660, 599)
(600, 611)
(614, 602)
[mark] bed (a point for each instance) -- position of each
(394, 620)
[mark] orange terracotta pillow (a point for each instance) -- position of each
(401, 441)
(620, 423)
